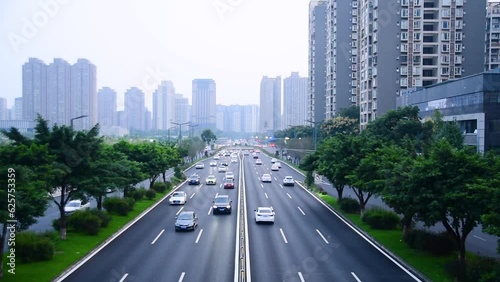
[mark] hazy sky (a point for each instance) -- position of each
(138, 43)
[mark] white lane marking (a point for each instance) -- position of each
(158, 236)
(220, 185)
(199, 235)
(281, 186)
(261, 185)
(182, 277)
(216, 194)
(301, 210)
(479, 238)
(275, 178)
(301, 277)
(323, 237)
(209, 211)
(266, 196)
(179, 211)
(192, 196)
(289, 195)
(283, 235)
(355, 277)
(123, 278)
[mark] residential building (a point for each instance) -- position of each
(83, 94)
(164, 106)
(18, 109)
(107, 107)
(203, 108)
(34, 89)
(317, 61)
(412, 43)
(492, 56)
(59, 93)
(270, 104)
(148, 122)
(294, 100)
(4, 111)
(135, 109)
(182, 108)
(473, 102)
(250, 118)
(341, 56)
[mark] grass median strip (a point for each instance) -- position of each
(431, 266)
(75, 247)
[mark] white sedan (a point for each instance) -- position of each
(264, 214)
(178, 198)
(213, 163)
(200, 166)
(266, 177)
(288, 181)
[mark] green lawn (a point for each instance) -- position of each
(430, 266)
(75, 247)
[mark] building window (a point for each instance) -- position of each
(445, 71)
(445, 47)
(445, 36)
(404, 36)
(445, 24)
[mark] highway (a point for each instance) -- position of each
(306, 243)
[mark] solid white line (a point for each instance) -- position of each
(301, 210)
(199, 235)
(192, 196)
(266, 196)
(355, 277)
(324, 239)
(283, 235)
(209, 211)
(123, 278)
(179, 211)
(289, 195)
(281, 186)
(182, 277)
(158, 236)
(479, 238)
(301, 277)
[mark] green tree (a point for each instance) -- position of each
(339, 125)
(208, 136)
(491, 183)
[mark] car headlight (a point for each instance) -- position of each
(228, 207)
(214, 207)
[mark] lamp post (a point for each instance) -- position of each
(71, 121)
(315, 131)
(191, 128)
(180, 129)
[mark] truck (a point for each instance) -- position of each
(75, 205)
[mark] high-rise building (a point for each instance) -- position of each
(83, 94)
(34, 89)
(164, 106)
(238, 119)
(492, 55)
(317, 61)
(135, 109)
(250, 118)
(294, 100)
(181, 108)
(270, 104)
(148, 125)
(341, 56)
(59, 93)
(4, 111)
(18, 109)
(412, 43)
(106, 107)
(203, 109)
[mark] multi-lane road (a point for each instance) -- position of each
(307, 242)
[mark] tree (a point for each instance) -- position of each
(208, 136)
(491, 184)
(339, 125)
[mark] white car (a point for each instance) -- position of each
(200, 165)
(264, 214)
(258, 162)
(75, 205)
(222, 168)
(273, 160)
(274, 167)
(213, 163)
(234, 160)
(229, 175)
(266, 177)
(216, 157)
(178, 198)
(278, 164)
(288, 181)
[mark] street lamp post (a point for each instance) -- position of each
(180, 129)
(71, 121)
(191, 128)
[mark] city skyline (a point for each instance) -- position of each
(153, 41)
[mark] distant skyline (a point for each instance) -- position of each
(235, 43)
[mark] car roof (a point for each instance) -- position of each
(288, 176)
(222, 196)
(268, 208)
(187, 212)
(266, 174)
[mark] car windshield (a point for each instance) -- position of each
(194, 177)
(185, 216)
(221, 200)
(73, 204)
(177, 194)
(211, 177)
(264, 210)
(266, 175)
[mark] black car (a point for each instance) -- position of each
(224, 163)
(194, 180)
(222, 204)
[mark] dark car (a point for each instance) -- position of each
(187, 220)
(224, 163)
(222, 204)
(229, 183)
(194, 180)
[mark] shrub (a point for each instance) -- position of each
(178, 173)
(32, 247)
(118, 205)
(483, 269)
(439, 244)
(137, 194)
(160, 187)
(379, 218)
(103, 215)
(150, 194)
(56, 225)
(85, 222)
(349, 205)
(168, 185)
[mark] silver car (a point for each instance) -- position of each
(178, 198)
(266, 177)
(187, 220)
